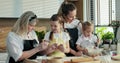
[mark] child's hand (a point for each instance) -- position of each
(98, 41)
(61, 47)
(53, 46)
(85, 51)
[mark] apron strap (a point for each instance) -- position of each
(11, 60)
(30, 44)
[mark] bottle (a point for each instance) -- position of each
(118, 47)
(113, 45)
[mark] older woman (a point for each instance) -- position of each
(71, 25)
(22, 41)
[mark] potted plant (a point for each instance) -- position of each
(107, 40)
(105, 36)
(40, 35)
(108, 36)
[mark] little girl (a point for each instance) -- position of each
(87, 39)
(57, 37)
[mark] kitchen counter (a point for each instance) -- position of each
(68, 60)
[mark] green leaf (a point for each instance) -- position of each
(40, 35)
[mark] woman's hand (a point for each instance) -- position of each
(79, 53)
(79, 48)
(51, 48)
(61, 47)
(43, 46)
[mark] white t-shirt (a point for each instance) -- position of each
(86, 41)
(64, 35)
(15, 44)
(73, 24)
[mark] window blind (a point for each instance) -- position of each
(6, 8)
(104, 12)
(42, 8)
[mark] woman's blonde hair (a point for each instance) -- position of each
(21, 25)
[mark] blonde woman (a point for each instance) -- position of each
(22, 41)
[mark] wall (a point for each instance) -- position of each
(10, 22)
(79, 5)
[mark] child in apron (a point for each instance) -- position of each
(57, 36)
(58, 41)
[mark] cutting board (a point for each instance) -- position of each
(81, 60)
(117, 57)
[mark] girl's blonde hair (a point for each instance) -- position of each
(86, 24)
(21, 25)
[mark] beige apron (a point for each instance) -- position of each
(58, 40)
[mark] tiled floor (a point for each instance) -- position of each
(3, 57)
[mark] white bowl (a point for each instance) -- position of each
(94, 51)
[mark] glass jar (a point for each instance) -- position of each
(118, 47)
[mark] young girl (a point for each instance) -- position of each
(87, 39)
(57, 38)
(71, 25)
